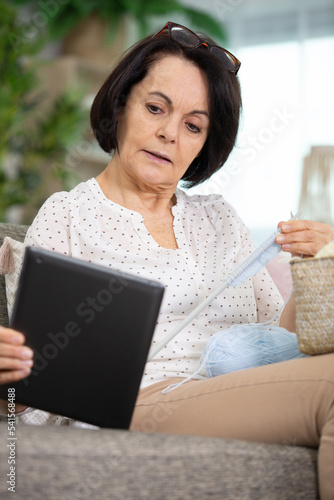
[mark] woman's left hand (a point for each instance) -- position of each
(304, 237)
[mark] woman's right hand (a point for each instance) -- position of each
(15, 358)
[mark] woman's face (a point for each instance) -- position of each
(164, 124)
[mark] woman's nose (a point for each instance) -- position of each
(168, 130)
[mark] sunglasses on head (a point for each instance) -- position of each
(188, 38)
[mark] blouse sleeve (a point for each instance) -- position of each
(51, 226)
(268, 299)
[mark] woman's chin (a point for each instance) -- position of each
(157, 183)
(155, 178)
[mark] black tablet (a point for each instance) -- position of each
(90, 328)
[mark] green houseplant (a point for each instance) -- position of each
(60, 18)
(31, 142)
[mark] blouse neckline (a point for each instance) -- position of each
(94, 185)
(138, 219)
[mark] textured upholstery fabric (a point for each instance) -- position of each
(17, 233)
(14, 254)
(69, 463)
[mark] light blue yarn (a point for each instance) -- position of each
(241, 346)
(248, 346)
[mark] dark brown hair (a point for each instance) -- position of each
(224, 100)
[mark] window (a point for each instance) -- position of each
(287, 87)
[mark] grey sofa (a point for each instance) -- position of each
(68, 463)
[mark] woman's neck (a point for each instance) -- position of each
(129, 194)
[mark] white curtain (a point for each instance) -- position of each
(317, 189)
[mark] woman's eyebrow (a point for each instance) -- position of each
(164, 96)
(169, 101)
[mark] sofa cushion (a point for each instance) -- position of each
(17, 232)
(12, 252)
(59, 462)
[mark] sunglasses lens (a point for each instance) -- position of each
(226, 59)
(189, 39)
(184, 37)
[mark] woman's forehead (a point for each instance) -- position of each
(177, 78)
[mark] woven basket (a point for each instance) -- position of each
(313, 284)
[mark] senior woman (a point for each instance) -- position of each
(170, 111)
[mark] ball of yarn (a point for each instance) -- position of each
(248, 346)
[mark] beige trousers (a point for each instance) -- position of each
(284, 403)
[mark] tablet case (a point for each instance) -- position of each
(91, 329)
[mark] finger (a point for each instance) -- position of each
(13, 351)
(299, 236)
(13, 376)
(304, 237)
(15, 364)
(10, 336)
(306, 225)
(307, 243)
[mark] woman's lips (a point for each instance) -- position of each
(157, 156)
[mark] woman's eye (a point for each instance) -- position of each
(193, 128)
(153, 109)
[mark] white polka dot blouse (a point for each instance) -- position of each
(212, 241)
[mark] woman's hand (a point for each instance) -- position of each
(15, 358)
(304, 237)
